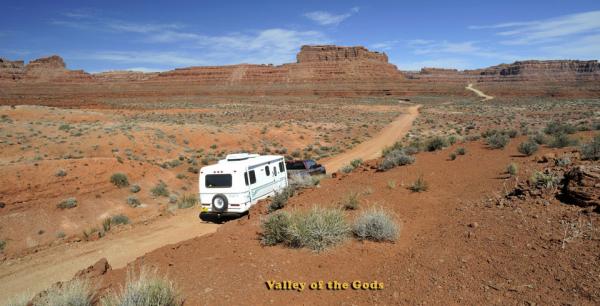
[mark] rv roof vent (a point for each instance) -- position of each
(239, 156)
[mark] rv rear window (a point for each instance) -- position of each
(252, 177)
(217, 181)
(281, 168)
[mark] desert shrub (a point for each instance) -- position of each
(396, 146)
(172, 198)
(511, 133)
(512, 169)
(436, 143)
(591, 151)
(538, 138)
(411, 150)
(61, 173)
(317, 229)
(351, 201)
(527, 148)
(562, 140)
(419, 185)
(76, 292)
(375, 225)
(356, 162)
(555, 127)
(395, 158)
(275, 228)
(160, 190)
(119, 219)
(135, 188)
(133, 201)
(147, 289)
(497, 141)
(107, 224)
(19, 300)
(119, 180)
(301, 180)
(347, 169)
(543, 180)
(452, 156)
(452, 139)
(181, 176)
(187, 201)
(2, 245)
(391, 184)
(64, 127)
(461, 151)
(563, 161)
(280, 199)
(68, 203)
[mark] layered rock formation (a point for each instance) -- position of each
(331, 53)
(552, 70)
(315, 64)
(319, 71)
(47, 69)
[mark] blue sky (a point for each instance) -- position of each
(161, 35)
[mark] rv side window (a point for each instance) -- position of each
(252, 177)
(217, 181)
(267, 170)
(281, 168)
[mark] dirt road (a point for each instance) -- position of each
(478, 92)
(38, 271)
(371, 148)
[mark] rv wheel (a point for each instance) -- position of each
(219, 203)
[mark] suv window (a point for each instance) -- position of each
(298, 165)
(217, 181)
(252, 177)
(310, 163)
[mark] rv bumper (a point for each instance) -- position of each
(211, 216)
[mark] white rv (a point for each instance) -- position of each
(234, 184)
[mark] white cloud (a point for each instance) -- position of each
(274, 45)
(547, 30)
(587, 47)
(326, 18)
(385, 45)
(465, 48)
(173, 59)
(144, 69)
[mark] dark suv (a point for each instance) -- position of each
(301, 167)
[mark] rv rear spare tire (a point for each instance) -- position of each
(219, 203)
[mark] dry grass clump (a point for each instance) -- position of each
(187, 201)
(77, 292)
(419, 185)
(591, 151)
(147, 289)
(68, 203)
(317, 229)
(119, 179)
(280, 199)
(376, 225)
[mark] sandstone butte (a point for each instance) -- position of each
(324, 70)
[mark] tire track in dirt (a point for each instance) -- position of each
(371, 148)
